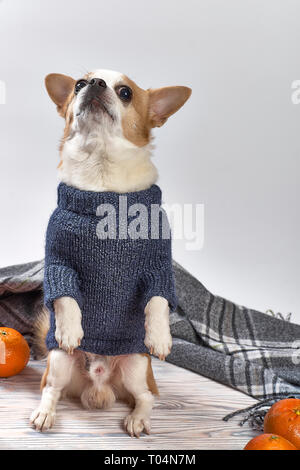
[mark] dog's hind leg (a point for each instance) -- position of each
(138, 380)
(57, 377)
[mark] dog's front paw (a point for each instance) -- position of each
(69, 332)
(158, 338)
(41, 420)
(135, 424)
(159, 345)
(69, 337)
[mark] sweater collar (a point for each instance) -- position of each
(86, 202)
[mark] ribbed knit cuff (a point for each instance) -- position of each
(60, 281)
(160, 283)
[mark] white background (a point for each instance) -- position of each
(234, 147)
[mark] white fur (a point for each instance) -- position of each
(59, 375)
(158, 337)
(66, 376)
(69, 332)
(135, 381)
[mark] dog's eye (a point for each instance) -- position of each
(124, 93)
(79, 85)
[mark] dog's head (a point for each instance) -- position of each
(108, 105)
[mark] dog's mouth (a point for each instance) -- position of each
(95, 104)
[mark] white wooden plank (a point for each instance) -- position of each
(187, 415)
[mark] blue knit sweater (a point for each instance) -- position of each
(112, 279)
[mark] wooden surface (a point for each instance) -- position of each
(187, 415)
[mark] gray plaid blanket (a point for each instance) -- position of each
(253, 352)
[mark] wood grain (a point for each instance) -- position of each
(187, 415)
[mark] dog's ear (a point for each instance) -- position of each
(59, 88)
(163, 102)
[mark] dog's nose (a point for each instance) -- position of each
(98, 82)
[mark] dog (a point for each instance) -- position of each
(106, 149)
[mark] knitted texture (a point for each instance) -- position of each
(112, 279)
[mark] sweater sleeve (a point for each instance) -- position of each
(158, 279)
(60, 277)
(60, 281)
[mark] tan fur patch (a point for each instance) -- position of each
(68, 114)
(45, 374)
(40, 330)
(152, 385)
(61, 90)
(135, 120)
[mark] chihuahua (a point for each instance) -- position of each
(106, 147)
